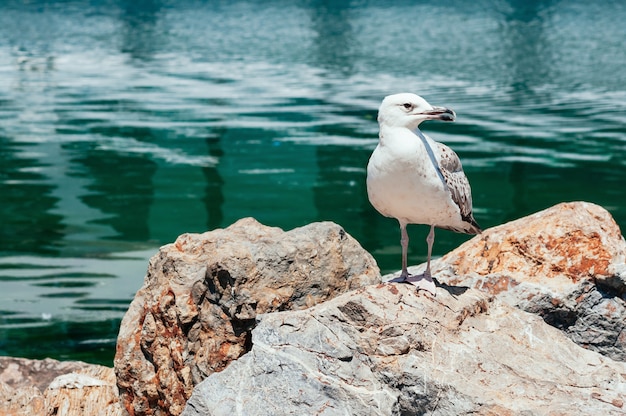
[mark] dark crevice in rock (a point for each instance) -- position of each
(609, 291)
(241, 326)
(560, 318)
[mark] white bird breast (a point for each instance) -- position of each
(402, 183)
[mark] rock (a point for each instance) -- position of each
(50, 387)
(202, 294)
(565, 263)
(387, 350)
(25, 401)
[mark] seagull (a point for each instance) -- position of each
(416, 180)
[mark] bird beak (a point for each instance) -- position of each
(441, 113)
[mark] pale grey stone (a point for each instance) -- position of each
(387, 350)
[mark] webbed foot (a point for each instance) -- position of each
(422, 281)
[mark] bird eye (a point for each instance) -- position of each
(408, 106)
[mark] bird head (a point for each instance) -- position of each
(409, 110)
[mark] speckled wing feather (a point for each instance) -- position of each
(458, 185)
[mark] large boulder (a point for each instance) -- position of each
(387, 350)
(565, 264)
(60, 388)
(202, 294)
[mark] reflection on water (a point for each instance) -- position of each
(68, 308)
(124, 124)
(526, 50)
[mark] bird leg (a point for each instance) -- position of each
(430, 241)
(422, 281)
(404, 242)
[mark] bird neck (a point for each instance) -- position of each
(394, 133)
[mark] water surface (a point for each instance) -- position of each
(124, 124)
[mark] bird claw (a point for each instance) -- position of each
(421, 281)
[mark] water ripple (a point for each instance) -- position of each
(125, 124)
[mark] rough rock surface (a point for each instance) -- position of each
(387, 350)
(565, 263)
(201, 296)
(61, 388)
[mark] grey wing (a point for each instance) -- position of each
(458, 185)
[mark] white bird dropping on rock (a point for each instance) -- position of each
(416, 180)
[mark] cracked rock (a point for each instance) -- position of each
(202, 294)
(61, 388)
(461, 354)
(566, 264)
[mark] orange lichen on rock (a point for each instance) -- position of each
(561, 245)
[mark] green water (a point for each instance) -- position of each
(124, 124)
